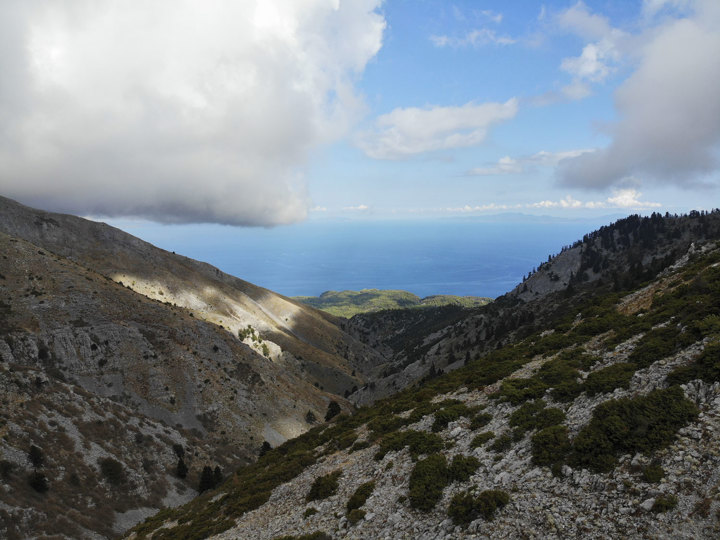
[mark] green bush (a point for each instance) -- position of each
(360, 496)
(517, 391)
(653, 473)
(631, 425)
(656, 345)
(550, 445)
(706, 367)
(427, 482)
(462, 468)
(663, 503)
(502, 444)
(449, 414)
(464, 508)
(355, 515)
(534, 415)
(480, 420)
(481, 439)
(418, 442)
(609, 378)
(310, 512)
(323, 487)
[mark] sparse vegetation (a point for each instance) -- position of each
(465, 508)
(360, 496)
(427, 482)
(323, 487)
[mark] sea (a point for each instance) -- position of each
(461, 257)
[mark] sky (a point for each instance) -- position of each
(275, 112)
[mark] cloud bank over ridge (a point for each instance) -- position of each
(177, 111)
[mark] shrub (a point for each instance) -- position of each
(39, 482)
(355, 515)
(653, 473)
(550, 445)
(324, 486)
(427, 482)
(382, 424)
(449, 414)
(534, 415)
(631, 425)
(112, 470)
(491, 500)
(480, 420)
(333, 411)
(464, 508)
(310, 512)
(663, 503)
(502, 444)
(310, 417)
(481, 439)
(655, 345)
(462, 468)
(516, 391)
(609, 378)
(419, 442)
(706, 367)
(360, 496)
(264, 448)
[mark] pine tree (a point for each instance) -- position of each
(181, 469)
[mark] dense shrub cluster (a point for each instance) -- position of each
(360, 496)
(550, 445)
(323, 486)
(418, 442)
(533, 415)
(462, 468)
(427, 482)
(465, 508)
(706, 367)
(481, 438)
(609, 378)
(631, 425)
(449, 414)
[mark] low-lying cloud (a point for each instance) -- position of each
(177, 111)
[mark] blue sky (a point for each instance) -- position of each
(274, 112)
(442, 54)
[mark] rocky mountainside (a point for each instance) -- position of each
(620, 256)
(602, 420)
(163, 357)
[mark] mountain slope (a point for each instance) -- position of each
(620, 256)
(604, 421)
(155, 340)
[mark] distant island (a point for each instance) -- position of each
(349, 303)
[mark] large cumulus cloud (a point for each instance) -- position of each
(668, 127)
(176, 111)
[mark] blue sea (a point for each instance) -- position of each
(479, 258)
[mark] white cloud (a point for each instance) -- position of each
(580, 21)
(358, 208)
(668, 126)
(405, 132)
(474, 38)
(177, 111)
(594, 63)
(509, 165)
(626, 199)
(318, 209)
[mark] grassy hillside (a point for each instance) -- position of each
(349, 303)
